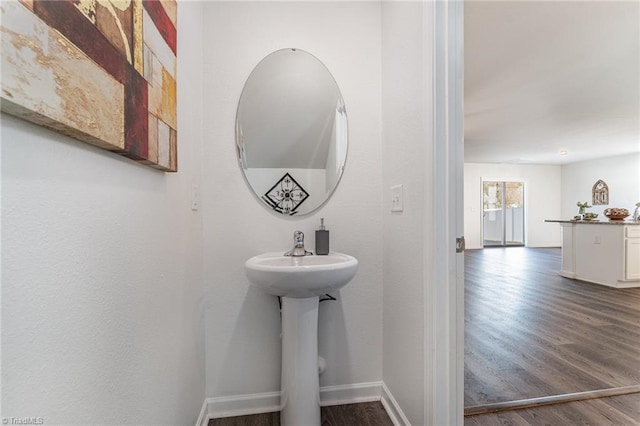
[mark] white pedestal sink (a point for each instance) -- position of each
(300, 281)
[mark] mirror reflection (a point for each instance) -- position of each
(291, 132)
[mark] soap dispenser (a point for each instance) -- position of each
(322, 239)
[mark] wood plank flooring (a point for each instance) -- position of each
(531, 333)
(364, 414)
(613, 411)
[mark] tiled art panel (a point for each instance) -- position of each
(101, 71)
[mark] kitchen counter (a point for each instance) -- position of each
(607, 255)
(597, 222)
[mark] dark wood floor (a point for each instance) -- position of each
(613, 411)
(531, 333)
(365, 414)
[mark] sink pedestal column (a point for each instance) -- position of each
(300, 384)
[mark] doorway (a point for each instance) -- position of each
(502, 214)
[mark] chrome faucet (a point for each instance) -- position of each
(636, 214)
(298, 249)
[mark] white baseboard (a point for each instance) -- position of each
(244, 405)
(393, 409)
(350, 394)
(567, 274)
(203, 418)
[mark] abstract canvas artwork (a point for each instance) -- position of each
(100, 71)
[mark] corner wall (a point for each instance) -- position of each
(101, 272)
(407, 139)
(242, 323)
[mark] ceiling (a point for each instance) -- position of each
(549, 76)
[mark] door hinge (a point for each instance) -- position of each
(460, 244)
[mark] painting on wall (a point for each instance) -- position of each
(100, 71)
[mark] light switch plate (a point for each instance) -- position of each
(195, 197)
(397, 198)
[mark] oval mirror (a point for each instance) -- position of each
(291, 132)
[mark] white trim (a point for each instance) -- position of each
(568, 274)
(243, 405)
(392, 408)
(350, 394)
(203, 418)
(444, 309)
(268, 402)
(625, 284)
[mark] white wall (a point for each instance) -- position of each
(542, 200)
(243, 324)
(621, 173)
(407, 147)
(101, 272)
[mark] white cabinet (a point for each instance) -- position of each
(568, 268)
(632, 253)
(601, 252)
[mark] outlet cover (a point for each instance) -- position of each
(397, 198)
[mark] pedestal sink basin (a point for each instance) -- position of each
(300, 280)
(300, 277)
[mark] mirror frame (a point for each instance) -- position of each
(240, 143)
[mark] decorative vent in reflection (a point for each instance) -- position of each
(286, 195)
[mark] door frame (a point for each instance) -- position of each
(444, 294)
(525, 184)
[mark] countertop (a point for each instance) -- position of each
(597, 222)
